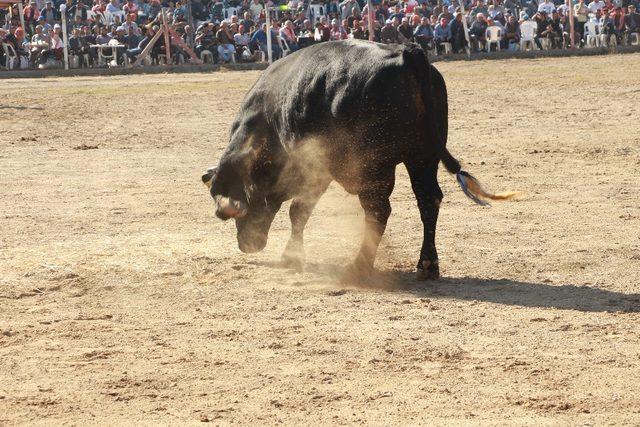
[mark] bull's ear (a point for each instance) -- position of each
(208, 176)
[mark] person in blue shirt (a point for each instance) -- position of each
(260, 39)
(423, 34)
(442, 34)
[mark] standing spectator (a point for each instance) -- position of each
(458, 35)
(226, 48)
(581, 13)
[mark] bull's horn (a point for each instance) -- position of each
(208, 176)
(229, 208)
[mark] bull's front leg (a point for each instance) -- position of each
(299, 213)
(374, 199)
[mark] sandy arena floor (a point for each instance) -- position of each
(123, 299)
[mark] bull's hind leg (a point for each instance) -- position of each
(424, 181)
(374, 199)
(299, 213)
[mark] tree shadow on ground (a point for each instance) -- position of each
(497, 291)
(19, 107)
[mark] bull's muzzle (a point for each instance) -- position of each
(228, 208)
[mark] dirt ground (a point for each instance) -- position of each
(123, 299)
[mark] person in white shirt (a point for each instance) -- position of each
(595, 6)
(113, 6)
(256, 9)
(547, 7)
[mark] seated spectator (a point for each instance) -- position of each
(78, 12)
(259, 39)
(131, 8)
(337, 31)
(113, 6)
(349, 8)
(134, 52)
(512, 31)
(226, 48)
(242, 39)
(388, 33)
(78, 23)
(103, 37)
(552, 35)
(55, 42)
(31, 14)
(199, 11)
(405, 32)
(288, 34)
(50, 15)
(479, 9)
(607, 26)
(542, 22)
(322, 32)
(477, 32)
(441, 34)
(631, 21)
(298, 23)
(423, 34)
(130, 26)
(39, 44)
(256, 8)
(357, 32)
(247, 22)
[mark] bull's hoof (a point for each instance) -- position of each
(293, 261)
(428, 270)
(356, 274)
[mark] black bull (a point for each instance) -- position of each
(348, 111)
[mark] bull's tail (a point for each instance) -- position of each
(470, 186)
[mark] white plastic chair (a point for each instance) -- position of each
(634, 39)
(10, 56)
(206, 54)
(229, 12)
(284, 46)
(527, 34)
(493, 36)
(591, 34)
(317, 11)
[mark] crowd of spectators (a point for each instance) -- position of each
(236, 30)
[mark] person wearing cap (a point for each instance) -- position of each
(388, 34)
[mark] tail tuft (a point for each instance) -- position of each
(472, 189)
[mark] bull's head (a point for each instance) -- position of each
(243, 189)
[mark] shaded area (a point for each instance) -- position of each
(497, 291)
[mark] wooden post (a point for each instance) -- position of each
(148, 47)
(372, 16)
(65, 49)
(21, 12)
(268, 32)
(571, 25)
(464, 26)
(167, 40)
